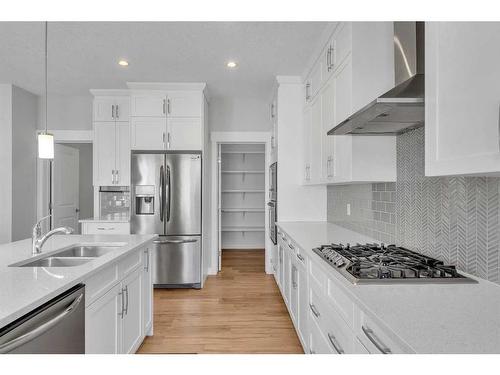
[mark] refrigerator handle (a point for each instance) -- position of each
(162, 185)
(168, 193)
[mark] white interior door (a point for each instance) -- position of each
(65, 192)
(219, 205)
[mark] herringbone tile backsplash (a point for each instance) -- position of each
(455, 219)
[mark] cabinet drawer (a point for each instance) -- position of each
(129, 264)
(317, 341)
(100, 283)
(377, 339)
(106, 228)
(317, 275)
(341, 301)
(336, 331)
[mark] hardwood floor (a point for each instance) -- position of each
(238, 311)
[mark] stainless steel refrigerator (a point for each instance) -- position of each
(166, 200)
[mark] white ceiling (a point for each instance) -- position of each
(84, 55)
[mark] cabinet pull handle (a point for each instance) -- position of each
(375, 341)
(168, 106)
(328, 59)
(335, 344)
(332, 50)
(168, 139)
(102, 228)
(113, 111)
(291, 246)
(314, 310)
(301, 258)
(117, 176)
(308, 96)
(163, 107)
(116, 112)
(146, 267)
(125, 291)
(123, 305)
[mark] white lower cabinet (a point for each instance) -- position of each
(147, 285)
(132, 329)
(105, 228)
(103, 323)
(326, 319)
(116, 321)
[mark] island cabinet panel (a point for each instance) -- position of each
(132, 318)
(119, 312)
(103, 323)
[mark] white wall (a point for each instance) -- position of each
(5, 163)
(18, 147)
(67, 112)
(239, 114)
(295, 202)
(24, 156)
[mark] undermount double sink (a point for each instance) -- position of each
(72, 256)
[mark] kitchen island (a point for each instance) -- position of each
(126, 266)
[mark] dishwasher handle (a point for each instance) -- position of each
(28, 336)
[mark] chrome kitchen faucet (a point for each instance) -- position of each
(38, 240)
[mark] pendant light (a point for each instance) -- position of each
(45, 139)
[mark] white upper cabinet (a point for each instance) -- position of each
(327, 118)
(111, 151)
(315, 80)
(354, 68)
(462, 98)
(184, 104)
(148, 133)
(184, 134)
(122, 108)
(306, 142)
(167, 119)
(104, 109)
(104, 153)
(122, 135)
(111, 108)
(149, 104)
(315, 141)
(111, 154)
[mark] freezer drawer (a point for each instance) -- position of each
(177, 262)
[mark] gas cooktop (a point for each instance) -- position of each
(380, 264)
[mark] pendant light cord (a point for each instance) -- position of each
(46, 75)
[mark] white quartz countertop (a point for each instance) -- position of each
(24, 288)
(104, 220)
(429, 318)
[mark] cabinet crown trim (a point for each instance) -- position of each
(109, 92)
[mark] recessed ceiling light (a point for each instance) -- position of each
(232, 64)
(123, 63)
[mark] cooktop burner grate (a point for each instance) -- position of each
(379, 263)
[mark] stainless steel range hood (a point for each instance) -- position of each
(401, 108)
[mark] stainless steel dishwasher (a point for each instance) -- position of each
(56, 327)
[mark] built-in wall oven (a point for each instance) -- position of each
(272, 204)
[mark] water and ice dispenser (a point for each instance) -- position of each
(144, 200)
